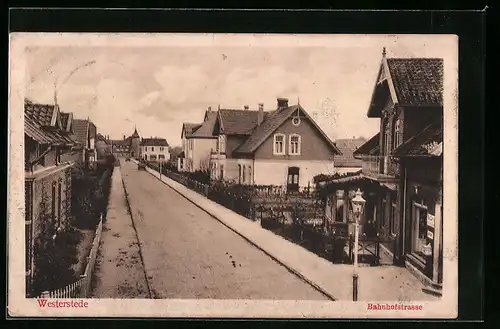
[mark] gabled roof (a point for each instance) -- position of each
(410, 82)
(154, 142)
(272, 121)
(43, 114)
(42, 135)
(238, 122)
(417, 81)
(370, 147)
(189, 128)
(80, 128)
(206, 130)
(347, 147)
(428, 142)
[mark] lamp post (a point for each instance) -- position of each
(358, 204)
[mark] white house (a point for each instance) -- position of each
(155, 149)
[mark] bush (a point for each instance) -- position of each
(54, 259)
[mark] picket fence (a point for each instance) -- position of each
(80, 288)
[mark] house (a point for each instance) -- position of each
(102, 146)
(346, 162)
(84, 135)
(198, 143)
(282, 147)
(401, 166)
(154, 149)
(47, 177)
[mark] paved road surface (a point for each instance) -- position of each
(189, 254)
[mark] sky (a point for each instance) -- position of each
(158, 85)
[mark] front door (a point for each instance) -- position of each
(293, 179)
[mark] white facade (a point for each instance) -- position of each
(275, 172)
(155, 153)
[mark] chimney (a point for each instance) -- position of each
(282, 103)
(246, 107)
(260, 115)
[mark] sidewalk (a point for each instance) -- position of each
(119, 272)
(382, 283)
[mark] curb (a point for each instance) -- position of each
(267, 252)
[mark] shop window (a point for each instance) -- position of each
(419, 245)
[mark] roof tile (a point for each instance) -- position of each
(417, 81)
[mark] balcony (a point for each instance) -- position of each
(380, 168)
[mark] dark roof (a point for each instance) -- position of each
(189, 128)
(417, 81)
(119, 142)
(43, 135)
(347, 147)
(239, 122)
(370, 147)
(272, 121)
(80, 129)
(207, 127)
(154, 142)
(422, 143)
(135, 134)
(41, 113)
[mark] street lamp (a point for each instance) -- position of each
(358, 204)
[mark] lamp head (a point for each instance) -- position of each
(358, 203)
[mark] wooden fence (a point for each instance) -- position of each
(80, 288)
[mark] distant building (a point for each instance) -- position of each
(154, 149)
(346, 162)
(198, 141)
(151, 149)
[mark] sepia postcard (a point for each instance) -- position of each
(233, 175)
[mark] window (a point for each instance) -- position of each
(294, 144)
(250, 174)
(152, 148)
(152, 157)
(244, 175)
(161, 148)
(222, 142)
(393, 218)
(59, 203)
(145, 156)
(161, 156)
(239, 174)
(296, 121)
(221, 171)
(279, 144)
(145, 148)
(190, 144)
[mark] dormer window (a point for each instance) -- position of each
(294, 147)
(279, 144)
